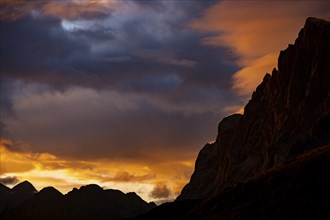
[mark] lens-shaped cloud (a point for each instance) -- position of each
(256, 32)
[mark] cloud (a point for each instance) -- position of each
(84, 123)
(9, 180)
(45, 169)
(124, 176)
(256, 32)
(100, 53)
(160, 191)
(123, 98)
(70, 9)
(90, 86)
(126, 94)
(20, 159)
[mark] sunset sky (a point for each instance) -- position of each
(125, 93)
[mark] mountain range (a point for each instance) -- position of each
(272, 162)
(88, 202)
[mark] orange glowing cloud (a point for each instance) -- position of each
(70, 9)
(44, 169)
(256, 31)
(75, 9)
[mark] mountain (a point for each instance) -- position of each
(272, 162)
(88, 202)
(287, 116)
(24, 187)
(296, 190)
(10, 198)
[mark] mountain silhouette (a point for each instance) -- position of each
(287, 116)
(272, 162)
(88, 202)
(25, 187)
(10, 198)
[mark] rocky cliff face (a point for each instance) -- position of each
(288, 115)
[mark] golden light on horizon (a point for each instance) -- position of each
(44, 169)
(124, 94)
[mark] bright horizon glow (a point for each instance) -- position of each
(44, 169)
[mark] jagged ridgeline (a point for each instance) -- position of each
(272, 162)
(288, 115)
(89, 202)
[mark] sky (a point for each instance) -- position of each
(125, 93)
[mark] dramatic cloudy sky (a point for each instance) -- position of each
(125, 93)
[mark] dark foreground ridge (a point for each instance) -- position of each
(273, 162)
(298, 189)
(88, 202)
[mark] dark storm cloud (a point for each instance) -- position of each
(10, 180)
(160, 191)
(47, 53)
(6, 107)
(87, 124)
(38, 49)
(131, 82)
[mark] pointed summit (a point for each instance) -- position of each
(24, 187)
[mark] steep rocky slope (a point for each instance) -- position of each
(298, 189)
(288, 115)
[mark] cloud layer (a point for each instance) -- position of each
(133, 81)
(125, 93)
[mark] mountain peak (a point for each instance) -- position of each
(287, 116)
(88, 202)
(50, 192)
(315, 31)
(24, 187)
(316, 22)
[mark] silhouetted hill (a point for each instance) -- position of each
(272, 162)
(88, 202)
(24, 187)
(10, 198)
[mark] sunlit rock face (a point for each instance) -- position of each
(288, 115)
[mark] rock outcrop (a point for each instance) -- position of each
(288, 115)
